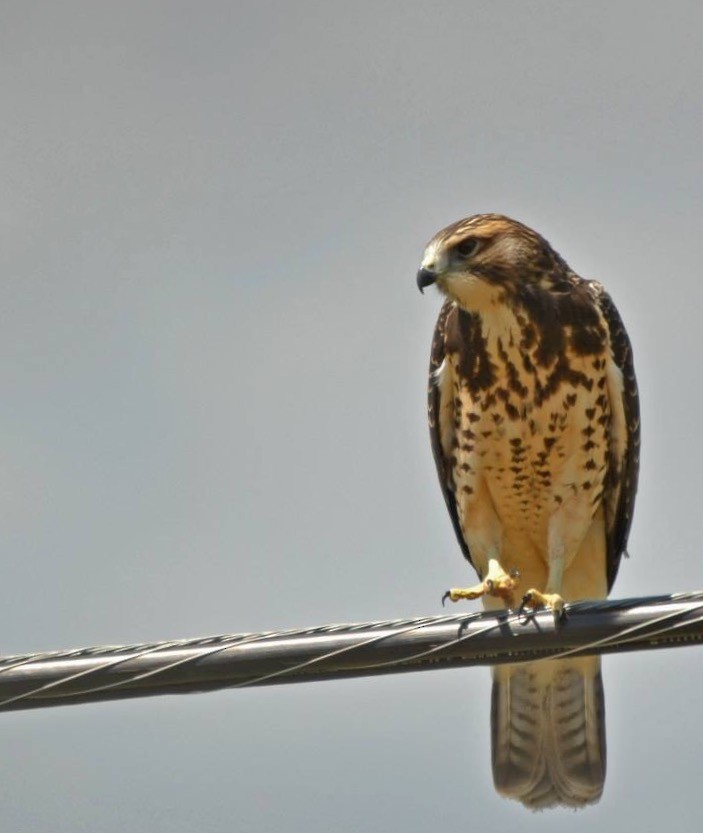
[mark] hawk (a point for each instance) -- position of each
(534, 422)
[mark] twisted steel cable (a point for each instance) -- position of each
(346, 650)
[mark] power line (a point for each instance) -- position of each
(348, 650)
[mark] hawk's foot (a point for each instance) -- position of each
(535, 599)
(500, 584)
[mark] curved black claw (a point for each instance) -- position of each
(559, 617)
(446, 596)
(522, 611)
(526, 599)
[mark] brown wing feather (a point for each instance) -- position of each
(621, 486)
(435, 404)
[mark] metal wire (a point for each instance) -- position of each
(349, 650)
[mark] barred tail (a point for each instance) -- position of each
(548, 732)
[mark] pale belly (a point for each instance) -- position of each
(550, 458)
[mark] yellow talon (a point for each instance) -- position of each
(502, 586)
(535, 599)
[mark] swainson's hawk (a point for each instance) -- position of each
(534, 420)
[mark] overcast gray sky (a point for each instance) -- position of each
(213, 359)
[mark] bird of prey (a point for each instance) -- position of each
(534, 422)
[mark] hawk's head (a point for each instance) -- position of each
(488, 258)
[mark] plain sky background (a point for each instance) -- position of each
(213, 359)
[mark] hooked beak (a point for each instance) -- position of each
(425, 277)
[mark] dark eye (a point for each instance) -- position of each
(467, 247)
